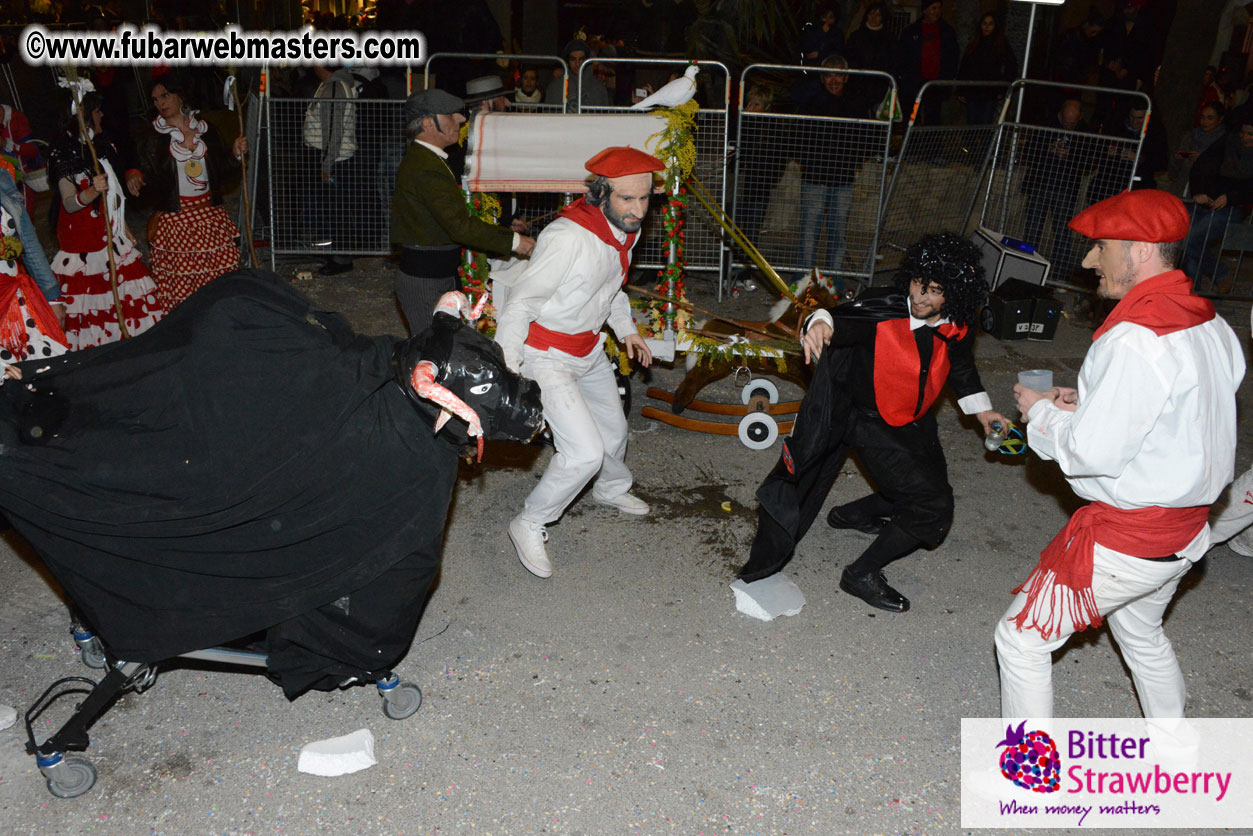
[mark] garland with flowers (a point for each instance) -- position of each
(474, 271)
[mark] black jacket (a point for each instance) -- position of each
(160, 169)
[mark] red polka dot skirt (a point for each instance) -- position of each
(190, 248)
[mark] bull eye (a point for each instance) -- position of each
(481, 389)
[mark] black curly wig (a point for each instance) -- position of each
(953, 263)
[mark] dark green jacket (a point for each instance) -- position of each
(429, 209)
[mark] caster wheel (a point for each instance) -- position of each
(74, 776)
(758, 388)
(93, 655)
(758, 431)
(402, 701)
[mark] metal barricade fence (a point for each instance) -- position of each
(1044, 174)
(938, 171)
(1214, 252)
(808, 189)
(703, 240)
(327, 202)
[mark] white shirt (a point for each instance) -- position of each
(572, 285)
(969, 405)
(1156, 421)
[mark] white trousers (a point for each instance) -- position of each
(584, 412)
(1232, 522)
(1131, 595)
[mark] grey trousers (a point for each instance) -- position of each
(418, 297)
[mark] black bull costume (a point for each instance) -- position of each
(241, 468)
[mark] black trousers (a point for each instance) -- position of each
(910, 474)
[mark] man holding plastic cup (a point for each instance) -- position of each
(1149, 438)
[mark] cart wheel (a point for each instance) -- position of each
(74, 776)
(758, 387)
(93, 654)
(402, 701)
(758, 431)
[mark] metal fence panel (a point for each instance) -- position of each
(939, 170)
(703, 240)
(346, 210)
(462, 65)
(1044, 174)
(808, 189)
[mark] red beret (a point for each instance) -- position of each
(622, 160)
(1145, 215)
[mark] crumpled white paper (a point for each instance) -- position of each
(768, 598)
(338, 755)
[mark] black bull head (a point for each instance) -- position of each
(471, 368)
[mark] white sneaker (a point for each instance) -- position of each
(529, 539)
(626, 503)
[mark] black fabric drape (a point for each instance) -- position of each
(239, 467)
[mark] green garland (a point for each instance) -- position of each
(474, 271)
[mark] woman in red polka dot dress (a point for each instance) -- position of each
(190, 236)
(82, 264)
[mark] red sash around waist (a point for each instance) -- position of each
(580, 345)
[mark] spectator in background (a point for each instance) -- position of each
(528, 92)
(1222, 187)
(829, 167)
(987, 58)
(759, 167)
(927, 51)
(1078, 51)
(1133, 46)
(331, 129)
(1057, 161)
(870, 46)
(593, 94)
(1119, 167)
(1209, 130)
(822, 38)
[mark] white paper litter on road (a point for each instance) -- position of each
(338, 755)
(768, 598)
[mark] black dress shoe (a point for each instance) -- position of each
(874, 590)
(870, 525)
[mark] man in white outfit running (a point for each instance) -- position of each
(550, 330)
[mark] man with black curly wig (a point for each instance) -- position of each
(892, 351)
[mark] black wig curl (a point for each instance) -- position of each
(953, 263)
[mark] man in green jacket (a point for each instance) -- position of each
(430, 219)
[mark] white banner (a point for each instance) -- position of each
(1106, 772)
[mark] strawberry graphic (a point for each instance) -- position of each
(1030, 759)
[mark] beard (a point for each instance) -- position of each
(619, 221)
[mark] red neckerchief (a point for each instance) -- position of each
(1163, 303)
(594, 221)
(1065, 567)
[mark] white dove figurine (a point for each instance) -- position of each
(673, 94)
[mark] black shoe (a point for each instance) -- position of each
(334, 268)
(874, 590)
(870, 525)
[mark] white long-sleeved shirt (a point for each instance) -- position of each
(573, 285)
(1156, 420)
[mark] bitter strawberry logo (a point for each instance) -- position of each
(1030, 759)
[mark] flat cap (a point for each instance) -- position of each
(1147, 215)
(623, 160)
(431, 101)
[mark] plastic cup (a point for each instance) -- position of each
(1039, 380)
